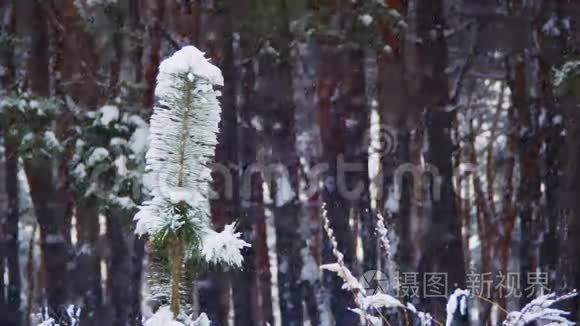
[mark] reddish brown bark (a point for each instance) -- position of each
(155, 13)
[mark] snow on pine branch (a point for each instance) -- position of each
(223, 247)
(182, 139)
(182, 143)
(109, 155)
(164, 317)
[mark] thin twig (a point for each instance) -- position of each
(491, 302)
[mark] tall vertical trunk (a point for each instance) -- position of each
(136, 55)
(9, 259)
(528, 195)
(523, 143)
(48, 196)
(309, 151)
(215, 295)
(78, 67)
(252, 212)
(137, 244)
(276, 92)
(156, 12)
(88, 284)
(570, 205)
(550, 56)
(357, 117)
(9, 253)
(393, 110)
(252, 196)
(569, 224)
(121, 284)
(7, 26)
(137, 255)
(443, 251)
(331, 120)
(117, 57)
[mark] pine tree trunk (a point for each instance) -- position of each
(136, 55)
(88, 263)
(120, 282)
(569, 225)
(136, 275)
(570, 217)
(9, 253)
(215, 18)
(251, 193)
(356, 151)
(48, 198)
(155, 14)
(276, 94)
(555, 144)
(137, 244)
(331, 119)
(176, 261)
(442, 251)
(393, 107)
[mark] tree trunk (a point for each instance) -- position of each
(442, 252)
(48, 196)
(9, 253)
(217, 18)
(275, 92)
(136, 55)
(120, 282)
(88, 279)
(569, 224)
(331, 119)
(9, 258)
(550, 56)
(251, 193)
(156, 12)
(137, 257)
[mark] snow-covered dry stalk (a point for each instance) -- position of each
(330, 233)
(182, 143)
(383, 234)
(364, 303)
(456, 306)
(539, 311)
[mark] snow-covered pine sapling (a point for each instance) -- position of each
(182, 141)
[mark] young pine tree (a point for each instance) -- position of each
(182, 141)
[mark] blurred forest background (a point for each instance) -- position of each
(466, 110)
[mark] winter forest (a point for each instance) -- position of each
(289, 162)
